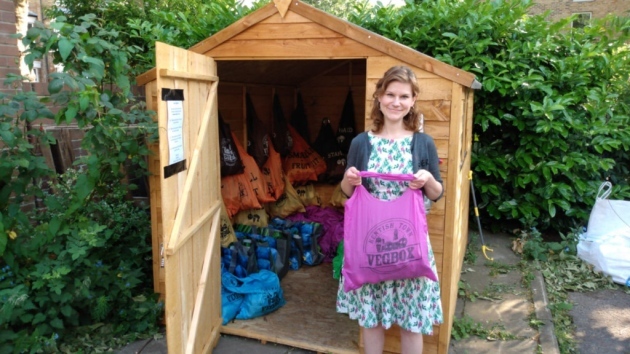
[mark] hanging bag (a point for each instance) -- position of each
(299, 120)
(327, 146)
(347, 128)
(385, 240)
(273, 175)
(303, 164)
(280, 135)
(257, 134)
(231, 163)
(237, 194)
(253, 172)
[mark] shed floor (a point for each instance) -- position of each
(308, 320)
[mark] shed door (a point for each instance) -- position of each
(191, 197)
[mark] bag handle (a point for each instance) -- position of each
(401, 177)
(604, 190)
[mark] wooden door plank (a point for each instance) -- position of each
(196, 226)
(175, 74)
(202, 285)
(194, 166)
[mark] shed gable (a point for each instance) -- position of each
(275, 38)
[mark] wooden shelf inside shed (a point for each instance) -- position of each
(308, 320)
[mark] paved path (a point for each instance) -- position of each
(499, 303)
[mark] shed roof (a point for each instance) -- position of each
(344, 28)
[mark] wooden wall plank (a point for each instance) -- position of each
(266, 31)
(380, 64)
(157, 238)
(438, 130)
(457, 213)
(435, 109)
(430, 89)
(290, 17)
(311, 48)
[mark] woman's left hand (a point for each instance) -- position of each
(420, 179)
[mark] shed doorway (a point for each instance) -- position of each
(309, 319)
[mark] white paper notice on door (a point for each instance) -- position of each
(175, 131)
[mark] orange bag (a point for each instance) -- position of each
(238, 194)
(253, 173)
(303, 164)
(272, 174)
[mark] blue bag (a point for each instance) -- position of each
(262, 293)
(230, 304)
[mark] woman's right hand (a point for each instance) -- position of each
(352, 176)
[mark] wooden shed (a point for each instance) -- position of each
(284, 48)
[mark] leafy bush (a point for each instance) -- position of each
(18, 166)
(82, 261)
(549, 123)
(77, 269)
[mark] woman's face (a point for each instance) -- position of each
(396, 101)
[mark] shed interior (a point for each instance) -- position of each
(323, 85)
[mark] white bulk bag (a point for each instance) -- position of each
(606, 243)
(608, 217)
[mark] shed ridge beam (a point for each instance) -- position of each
(385, 45)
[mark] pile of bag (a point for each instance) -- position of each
(251, 268)
(253, 265)
(304, 241)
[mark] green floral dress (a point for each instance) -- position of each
(414, 304)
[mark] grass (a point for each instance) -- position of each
(464, 327)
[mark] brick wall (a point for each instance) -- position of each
(9, 54)
(564, 8)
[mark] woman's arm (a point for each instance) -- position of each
(350, 180)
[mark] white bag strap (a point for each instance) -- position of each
(604, 190)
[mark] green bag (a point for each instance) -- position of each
(338, 261)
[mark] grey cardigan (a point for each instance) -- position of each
(423, 151)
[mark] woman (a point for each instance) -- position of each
(394, 145)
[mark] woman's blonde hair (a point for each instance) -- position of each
(404, 75)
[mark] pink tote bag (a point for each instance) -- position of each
(385, 240)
